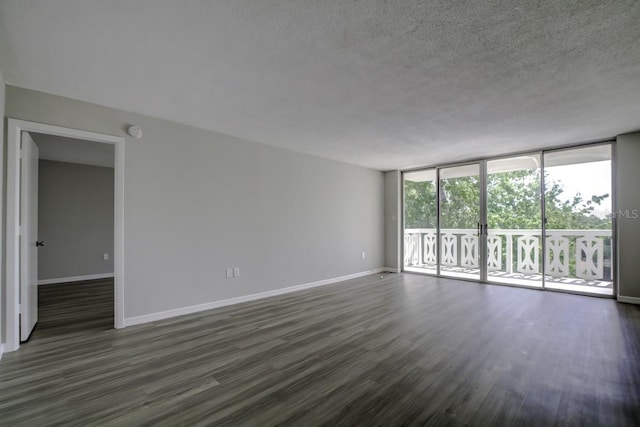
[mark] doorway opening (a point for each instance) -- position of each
(75, 234)
(81, 234)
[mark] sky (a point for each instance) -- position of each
(588, 179)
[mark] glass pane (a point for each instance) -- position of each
(459, 217)
(514, 235)
(420, 221)
(578, 217)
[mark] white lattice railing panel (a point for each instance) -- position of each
(589, 258)
(494, 253)
(429, 254)
(557, 256)
(470, 253)
(528, 262)
(411, 249)
(449, 247)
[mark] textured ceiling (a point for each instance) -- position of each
(384, 84)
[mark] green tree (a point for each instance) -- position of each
(420, 204)
(460, 202)
(513, 201)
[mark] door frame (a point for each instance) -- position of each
(15, 127)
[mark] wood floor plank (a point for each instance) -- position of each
(397, 350)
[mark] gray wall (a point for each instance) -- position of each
(393, 219)
(75, 219)
(197, 202)
(628, 218)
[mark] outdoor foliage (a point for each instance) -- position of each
(513, 201)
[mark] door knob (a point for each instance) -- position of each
(39, 243)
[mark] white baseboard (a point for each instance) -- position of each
(1, 350)
(74, 279)
(628, 300)
(146, 318)
(392, 270)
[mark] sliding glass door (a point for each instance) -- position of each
(578, 206)
(540, 220)
(514, 212)
(460, 220)
(420, 221)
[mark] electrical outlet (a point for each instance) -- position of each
(229, 272)
(364, 255)
(106, 257)
(236, 271)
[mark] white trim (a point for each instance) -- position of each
(628, 300)
(391, 270)
(75, 279)
(28, 126)
(118, 249)
(14, 128)
(146, 318)
(399, 221)
(1, 350)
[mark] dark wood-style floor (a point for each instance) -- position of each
(74, 308)
(397, 350)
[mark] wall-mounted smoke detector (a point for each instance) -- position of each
(135, 131)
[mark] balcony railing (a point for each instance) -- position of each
(568, 253)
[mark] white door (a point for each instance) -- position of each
(28, 237)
